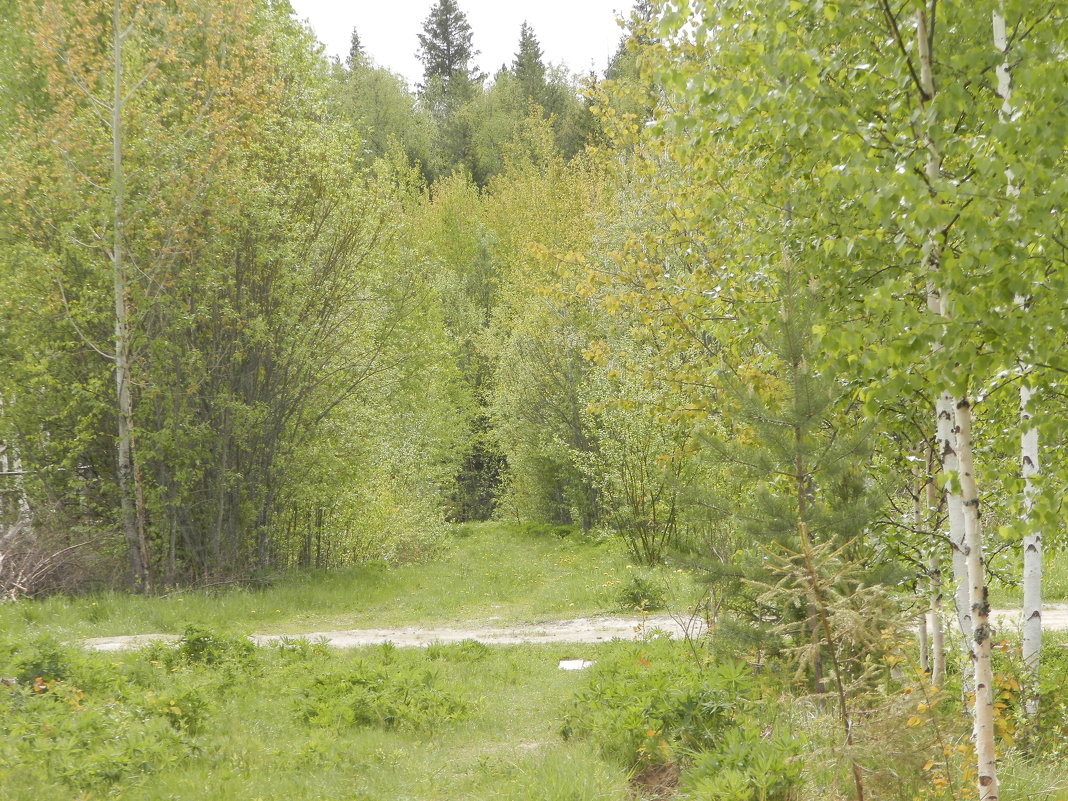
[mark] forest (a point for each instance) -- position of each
(764, 325)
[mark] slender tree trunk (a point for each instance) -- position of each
(944, 403)
(981, 643)
(947, 447)
(934, 571)
(923, 584)
(983, 716)
(1032, 559)
(811, 611)
(11, 462)
(1029, 467)
(132, 517)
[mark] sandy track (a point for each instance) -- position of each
(581, 630)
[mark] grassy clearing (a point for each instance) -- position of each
(217, 718)
(489, 574)
(220, 722)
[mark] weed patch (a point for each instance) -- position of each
(403, 697)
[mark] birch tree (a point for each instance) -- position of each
(1029, 464)
(878, 138)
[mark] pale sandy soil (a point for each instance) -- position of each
(582, 630)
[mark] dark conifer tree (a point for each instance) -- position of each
(528, 66)
(356, 54)
(446, 49)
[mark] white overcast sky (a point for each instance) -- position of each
(578, 33)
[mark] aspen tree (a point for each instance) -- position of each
(1029, 466)
(934, 570)
(130, 496)
(980, 644)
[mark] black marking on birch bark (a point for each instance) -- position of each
(1035, 614)
(986, 781)
(982, 633)
(1026, 461)
(1031, 547)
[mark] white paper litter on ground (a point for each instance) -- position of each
(575, 664)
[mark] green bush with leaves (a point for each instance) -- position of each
(746, 765)
(397, 695)
(641, 593)
(63, 721)
(655, 703)
(204, 646)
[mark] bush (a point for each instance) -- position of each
(652, 703)
(746, 766)
(43, 660)
(401, 697)
(656, 704)
(203, 646)
(72, 720)
(642, 594)
(463, 651)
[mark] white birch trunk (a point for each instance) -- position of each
(944, 402)
(924, 582)
(983, 715)
(947, 448)
(1029, 467)
(983, 718)
(11, 462)
(934, 571)
(1032, 559)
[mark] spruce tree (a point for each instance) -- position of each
(447, 51)
(356, 54)
(528, 66)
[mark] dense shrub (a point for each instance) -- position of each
(203, 646)
(654, 703)
(61, 721)
(746, 765)
(651, 702)
(397, 696)
(641, 594)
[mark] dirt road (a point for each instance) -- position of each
(581, 630)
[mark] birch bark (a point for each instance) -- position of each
(1029, 467)
(918, 519)
(983, 715)
(983, 721)
(934, 571)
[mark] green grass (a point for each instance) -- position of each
(252, 742)
(490, 574)
(219, 719)
(1054, 582)
(109, 729)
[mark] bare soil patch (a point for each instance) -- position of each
(580, 630)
